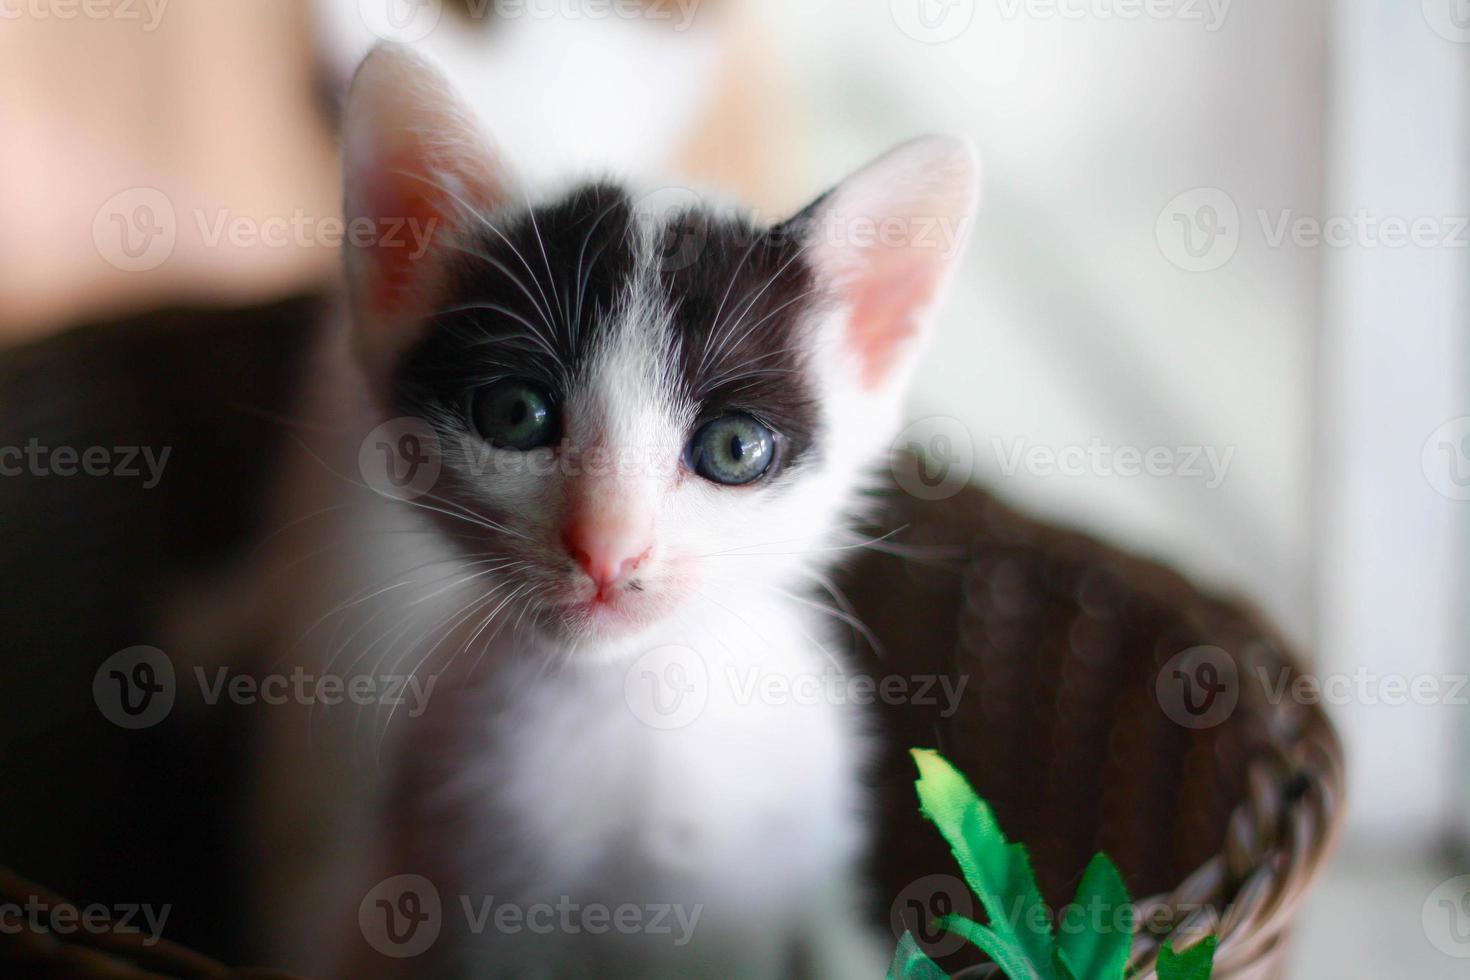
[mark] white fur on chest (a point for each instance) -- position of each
(721, 757)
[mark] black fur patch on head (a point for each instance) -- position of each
(523, 300)
(738, 310)
(528, 299)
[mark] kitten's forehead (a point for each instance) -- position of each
(625, 312)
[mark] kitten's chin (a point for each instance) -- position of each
(594, 625)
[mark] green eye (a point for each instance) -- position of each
(514, 415)
(732, 450)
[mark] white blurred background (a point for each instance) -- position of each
(1228, 236)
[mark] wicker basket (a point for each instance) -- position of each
(1068, 724)
(1079, 725)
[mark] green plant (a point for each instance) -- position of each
(1020, 935)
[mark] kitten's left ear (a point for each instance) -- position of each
(885, 242)
(417, 169)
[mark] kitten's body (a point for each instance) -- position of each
(617, 620)
(534, 777)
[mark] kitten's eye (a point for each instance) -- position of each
(732, 450)
(514, 415)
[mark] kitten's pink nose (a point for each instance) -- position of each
(607, 554)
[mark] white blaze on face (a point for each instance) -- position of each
(628, 428)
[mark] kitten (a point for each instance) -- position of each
(574, 468)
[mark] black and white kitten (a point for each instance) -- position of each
(647, 430)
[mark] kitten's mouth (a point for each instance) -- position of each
(609, 611)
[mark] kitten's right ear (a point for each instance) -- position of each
(417, 170)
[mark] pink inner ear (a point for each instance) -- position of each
(887, 306)
(403, 209)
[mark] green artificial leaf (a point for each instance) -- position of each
(1195, 963)
(998, 871)
(1005, 953)
(912, 963)
(1097, 928)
